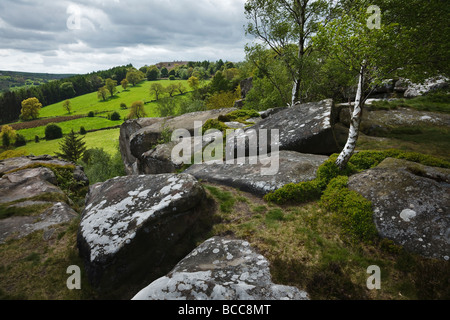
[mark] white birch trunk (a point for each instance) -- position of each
(294, 93)
(353, 133)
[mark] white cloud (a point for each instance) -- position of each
(87, 35)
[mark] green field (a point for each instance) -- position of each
(82, 105)
(90, 102)
(108, 140)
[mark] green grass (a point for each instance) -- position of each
(93, 123)
(106, 139)
(435, 102)
(90, 102)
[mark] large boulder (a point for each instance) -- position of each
(418, 89)
(378, 121)
(30, 193)
(147, 137)
(248, 174)
(305, 128)
(220, 269)
(133, 224)
(127, 129)
(17, 227)
(410, 203)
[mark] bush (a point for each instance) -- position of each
(12, 154)
(115, 116)
(36, 139)
(91, 114)
(99, 166)
(20, 141)
(53, 131)
(172, 77)
(82, 130)
(123, 106)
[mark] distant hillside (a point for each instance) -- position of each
(13, 80)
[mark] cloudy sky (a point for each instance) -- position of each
(82, 36)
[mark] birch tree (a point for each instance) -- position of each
(372, 50)
(286, 27)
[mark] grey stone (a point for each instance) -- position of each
(131, 223)
(17, 227)
(220, 269)
(410, 203)
(374, 122)
(27, 183)
(246, 86)
(127, 129)
(293, 167)
(419, 89)
(305, 128)
(147, 137)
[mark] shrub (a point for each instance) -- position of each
(172, 77)
(20, 141)
(99, 166)
(115, 116)
(36, 139)
(82, 130)
(123, 106)
(12, 154)
(53, 131)
(91, 114)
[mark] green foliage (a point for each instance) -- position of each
(172, 77)
(152, 73)
(312, 190)
(166, 107)
(239, 115)
(214, 124)
(91, 114)
(137, 110)
(115, 116)
(111, 85)
(53, 131)
(72, 147)
(99, 166)
(83, 130)
(352, 210)
(11, 154)
(30, 109)
(20, 141)
(191, 105)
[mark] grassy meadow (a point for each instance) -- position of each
(107, 137)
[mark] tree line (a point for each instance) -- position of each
(56, 91)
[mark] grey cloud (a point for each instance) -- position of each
(178, 26)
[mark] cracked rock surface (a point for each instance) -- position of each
(220, 269)
(410, 203)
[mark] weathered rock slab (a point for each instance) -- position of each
(260, 178)
(147, 137)
(131, 223)
(17, 227)
(411, 204)
(305, 128)
(220, 269)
